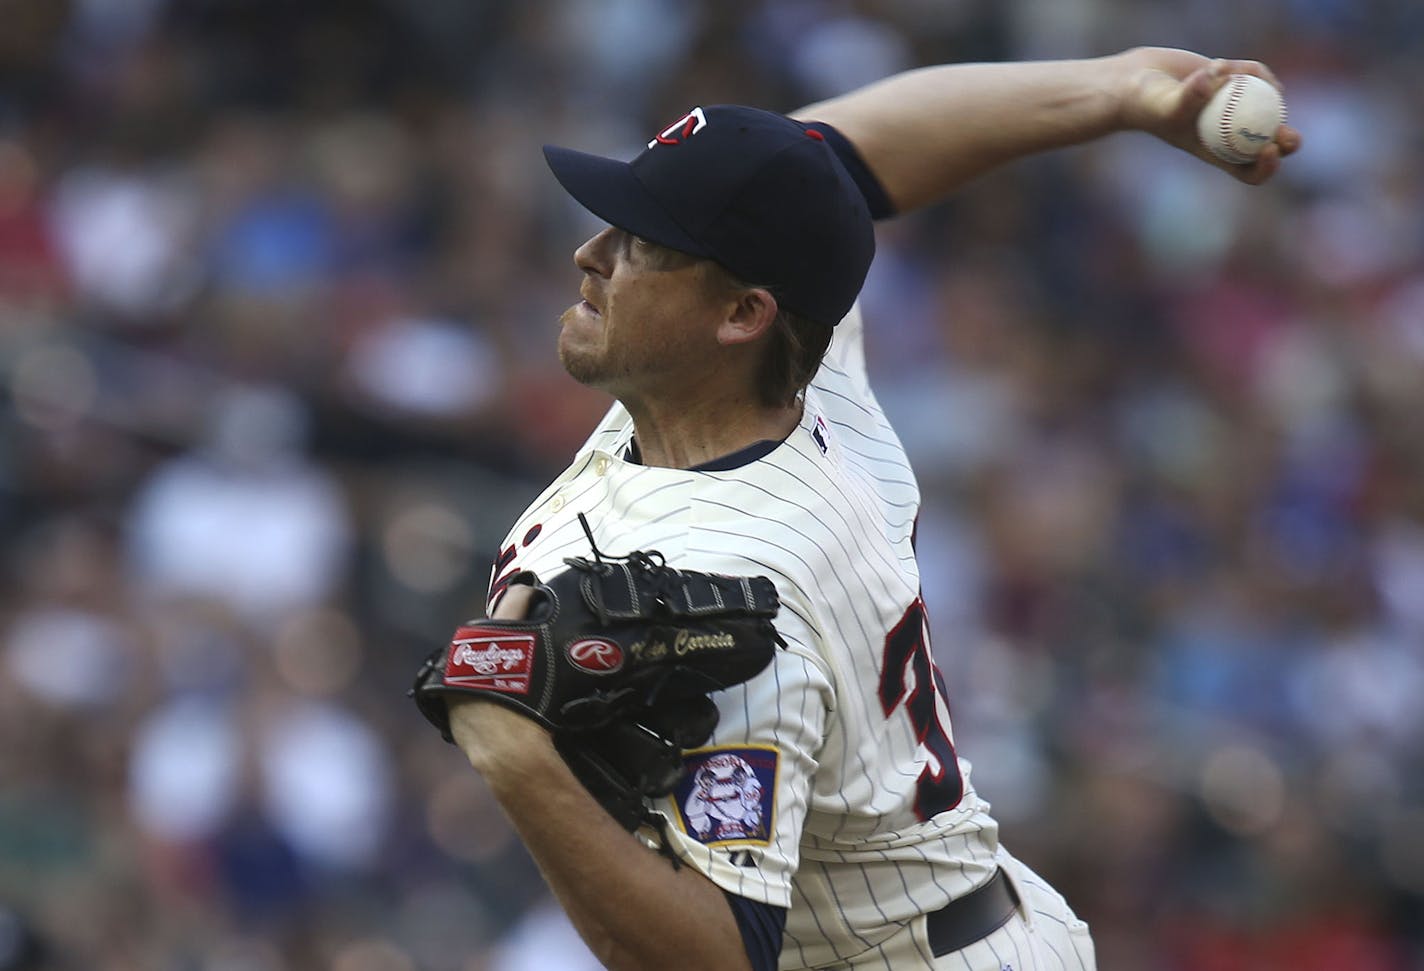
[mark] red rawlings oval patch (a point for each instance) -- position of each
(595, 655)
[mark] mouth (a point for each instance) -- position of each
(587, 303)
(582, 316)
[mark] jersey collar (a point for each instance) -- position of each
(724, 463)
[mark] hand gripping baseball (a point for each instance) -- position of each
(1167, 92)
(616, 656)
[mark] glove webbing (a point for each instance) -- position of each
(611, 589)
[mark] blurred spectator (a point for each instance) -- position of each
(278, 297)
(126, 239)
(20, 949)
(245, 519)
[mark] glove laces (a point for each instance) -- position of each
(662, 579)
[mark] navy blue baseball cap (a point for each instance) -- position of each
(761, 194)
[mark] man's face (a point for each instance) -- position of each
(647, 321)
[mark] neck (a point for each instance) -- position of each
(681, 435)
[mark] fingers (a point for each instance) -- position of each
(1288, 140)
(1198, 87)
(1268, 163)
(1265, 165)
(1202, 83)
(1229, 67)
(513, 604)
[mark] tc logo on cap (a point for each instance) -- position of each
(685, 127)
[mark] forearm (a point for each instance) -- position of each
(628, 903)
(927, 132)
(924, 133)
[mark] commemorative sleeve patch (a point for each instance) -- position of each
(728, 795)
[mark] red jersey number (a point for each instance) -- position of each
(907, 658)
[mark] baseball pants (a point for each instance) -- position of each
(1042, 934)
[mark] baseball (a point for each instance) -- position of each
(1241, 118)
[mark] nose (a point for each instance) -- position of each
(594, 256)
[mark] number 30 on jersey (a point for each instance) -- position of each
(908, 659)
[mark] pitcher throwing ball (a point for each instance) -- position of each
(807, 810)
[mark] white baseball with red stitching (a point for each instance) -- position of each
(1241, 118)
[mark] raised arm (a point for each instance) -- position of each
(925, 133)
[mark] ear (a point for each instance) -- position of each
(749, 316)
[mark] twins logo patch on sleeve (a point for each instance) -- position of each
(728, 795)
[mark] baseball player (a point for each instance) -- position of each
(829, 821)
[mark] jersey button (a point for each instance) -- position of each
(557, 504)
(600, 466)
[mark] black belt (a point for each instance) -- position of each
(972, 917)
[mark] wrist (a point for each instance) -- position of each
(1129, 76)
(498, 742)
(1152, 84)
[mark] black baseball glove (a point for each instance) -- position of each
(616, 656)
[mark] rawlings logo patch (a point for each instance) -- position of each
(595, 655)
(490, 660)
(728, 795)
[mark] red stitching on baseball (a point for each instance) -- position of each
(1238, 88)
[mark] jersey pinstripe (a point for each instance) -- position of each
(851, 708)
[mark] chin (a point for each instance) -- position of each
(581, 366)
(582, 350)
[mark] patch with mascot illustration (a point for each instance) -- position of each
(728, 795)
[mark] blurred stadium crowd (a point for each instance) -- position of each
(279, 284)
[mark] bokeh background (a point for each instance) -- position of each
(278, 293)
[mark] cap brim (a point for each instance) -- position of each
(610, 190)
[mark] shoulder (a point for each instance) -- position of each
(803, 511)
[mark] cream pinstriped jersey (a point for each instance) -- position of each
(811, 792)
